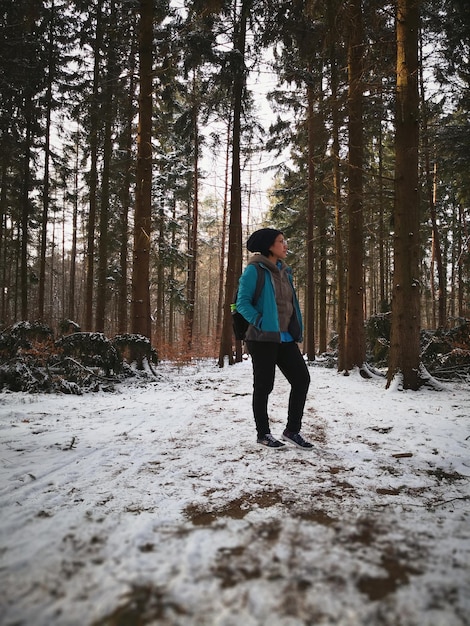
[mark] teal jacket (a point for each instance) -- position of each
(263, 316)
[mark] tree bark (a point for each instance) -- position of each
(125, 196)
(310, 296)
(141, 319)
(3, 232)
(193, 223)
(462, 245)
(92, 202)
(321, 218)
(25, 202)
(46, 183)
(355, 338)
(339, 252)
(223, 235)
(102, 274)
(73, 252)
(384, 305)
(234, 265)
(404, 356)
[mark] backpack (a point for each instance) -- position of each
(239, 323)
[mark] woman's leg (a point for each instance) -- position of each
(293, 366)
(263, 357)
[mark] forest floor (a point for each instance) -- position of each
(155, 505)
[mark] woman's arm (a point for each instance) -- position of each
(246, 292)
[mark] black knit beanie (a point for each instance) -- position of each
(261, 240)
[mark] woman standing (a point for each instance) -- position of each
(275, 328)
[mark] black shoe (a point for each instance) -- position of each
(270, 442)
(297, 440)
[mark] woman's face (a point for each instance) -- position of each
(279, 248)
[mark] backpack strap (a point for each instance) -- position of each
(259, 282)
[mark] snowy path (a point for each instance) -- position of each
(154, 505)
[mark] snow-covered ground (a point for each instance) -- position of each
(154, 505)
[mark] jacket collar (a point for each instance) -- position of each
(273, 267)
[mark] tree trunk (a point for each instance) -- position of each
(3, 234)
(355, 338)
(193, 224)
(404, 356)
(339, 252)
(160, 296)
(431, 186)
(171, 330)
(47, 143)
(141, 320)
(310, 296)
(25, 200)
(223, 235)
(125, 196)
(234, 265)
(91, 226)
(321, 216)
(462, 245)
(381, 233)
(102, 274)
(437, 253)
(73, 253)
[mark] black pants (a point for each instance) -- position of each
(265, 356)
